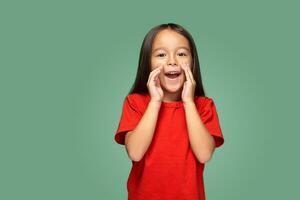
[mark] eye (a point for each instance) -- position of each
(159, 55)
(182, 54)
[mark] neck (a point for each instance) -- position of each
(169, 97)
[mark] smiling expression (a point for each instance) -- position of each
(170, 49)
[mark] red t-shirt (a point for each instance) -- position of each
(168, 170)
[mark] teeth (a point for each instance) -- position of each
(173, 73)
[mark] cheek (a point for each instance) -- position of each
(161, 75)
(189, 61)
(155, 63)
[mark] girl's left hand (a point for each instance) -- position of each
(189, 85)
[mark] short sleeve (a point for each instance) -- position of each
(209, 116)
(128, 121)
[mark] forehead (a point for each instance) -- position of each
(168, 39)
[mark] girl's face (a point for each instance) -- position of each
(170, 49)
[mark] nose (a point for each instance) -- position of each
(172, 61)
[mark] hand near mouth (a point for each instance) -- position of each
(189, 85)
(154, 86)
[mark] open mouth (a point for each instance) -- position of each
(172, 75)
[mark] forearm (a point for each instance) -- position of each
(139, 139)
(202, 142)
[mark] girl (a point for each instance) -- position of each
(169, 127)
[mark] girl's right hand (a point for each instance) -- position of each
(154, 86)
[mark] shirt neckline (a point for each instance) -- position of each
(171, 104)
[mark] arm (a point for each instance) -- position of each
(138, 140)
(202, 142)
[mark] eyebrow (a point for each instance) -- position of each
(182, 47)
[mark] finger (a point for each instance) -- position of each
(153, 72)
(158, 82)
(190, 73)
(186, 72)
(156, 78)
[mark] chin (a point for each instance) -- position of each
(173, 87)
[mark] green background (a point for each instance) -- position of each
(67, 65)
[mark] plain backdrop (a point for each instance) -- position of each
(66, 67)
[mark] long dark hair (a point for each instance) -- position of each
(144, 67)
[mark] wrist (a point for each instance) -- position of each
(188, 103)
(155, 103)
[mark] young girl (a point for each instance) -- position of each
(169, 127)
